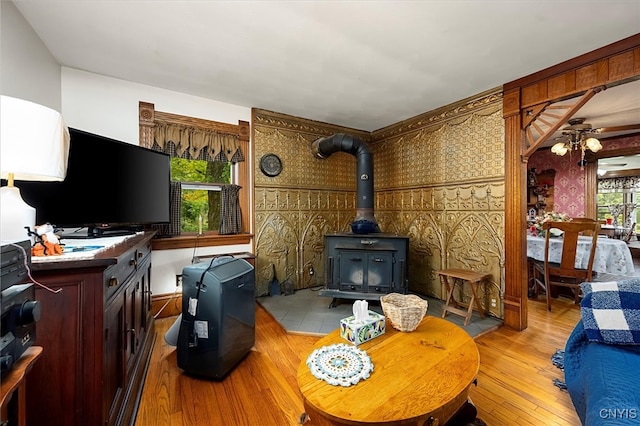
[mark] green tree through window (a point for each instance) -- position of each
(201, 183)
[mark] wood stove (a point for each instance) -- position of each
(366, 263)
(365, 266)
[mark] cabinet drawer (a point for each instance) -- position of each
(142, 253)
(115, 276)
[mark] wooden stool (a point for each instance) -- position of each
(449, 278)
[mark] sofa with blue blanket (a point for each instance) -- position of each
(602, 355)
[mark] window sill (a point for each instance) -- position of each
(206, 240)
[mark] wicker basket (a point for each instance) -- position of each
(404, 311)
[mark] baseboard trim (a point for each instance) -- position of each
(173, 302)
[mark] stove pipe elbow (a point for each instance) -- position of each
(365, 221)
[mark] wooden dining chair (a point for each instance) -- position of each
(565, 274)
(588, 220)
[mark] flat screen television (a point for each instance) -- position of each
(111, 188)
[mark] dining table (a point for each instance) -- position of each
(613, 256)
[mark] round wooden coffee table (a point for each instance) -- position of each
(422, 378)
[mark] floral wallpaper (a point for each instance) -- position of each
(569, 196)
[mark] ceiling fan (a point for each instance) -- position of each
(578, 126)
(579, 135)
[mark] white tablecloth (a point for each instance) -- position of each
(612, 256)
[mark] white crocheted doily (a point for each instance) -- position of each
(340, 364)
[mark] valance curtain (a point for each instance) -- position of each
(196, 143)
(230, 214)
(619, 184)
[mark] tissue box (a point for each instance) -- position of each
(359, 332)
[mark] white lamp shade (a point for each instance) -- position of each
(34, 141)
(560, 148)
(593, 144)
(34, 145)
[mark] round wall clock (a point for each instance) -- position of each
(270, 165)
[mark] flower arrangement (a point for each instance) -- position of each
(536, 227)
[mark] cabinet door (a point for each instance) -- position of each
(114, 358)
(143, 298)
(131, 320)
(61, 392)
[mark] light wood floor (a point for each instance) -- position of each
(515, 383)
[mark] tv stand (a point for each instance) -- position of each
(96, 335)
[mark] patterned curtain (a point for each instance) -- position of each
(230, 214)
(175, 200)
(195, 143)
(619, 184)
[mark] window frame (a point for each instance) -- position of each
(240, 175)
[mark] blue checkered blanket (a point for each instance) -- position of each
(611, 311)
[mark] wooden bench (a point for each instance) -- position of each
(449, 278)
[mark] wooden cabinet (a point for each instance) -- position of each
(96, 334)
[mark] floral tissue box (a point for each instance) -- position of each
(358, 332)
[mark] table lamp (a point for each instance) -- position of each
(34, 146)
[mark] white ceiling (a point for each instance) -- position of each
(619, 163)
(360, 64)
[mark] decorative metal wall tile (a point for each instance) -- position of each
(438, 179)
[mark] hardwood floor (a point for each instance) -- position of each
(515, 383)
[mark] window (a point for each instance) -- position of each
(201, 183)
(222, 166)
(607, 199)
(626, 200)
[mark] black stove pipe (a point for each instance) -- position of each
(365, 221)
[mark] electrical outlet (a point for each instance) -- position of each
(493, 303)
(178, 280)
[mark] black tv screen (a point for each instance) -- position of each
(109, 185)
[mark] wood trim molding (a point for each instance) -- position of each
(611, 65)
(546, 122)
(631, 43)
(147, 116)
(166, 305)
(206, 240)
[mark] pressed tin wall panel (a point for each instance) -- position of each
(438, 178)
(442, 184)
(310, 198)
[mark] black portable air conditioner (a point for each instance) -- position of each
(217, 324)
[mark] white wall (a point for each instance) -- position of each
(27, 68)
(109, 107)
(166, 264)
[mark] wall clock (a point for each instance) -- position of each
(270, 165)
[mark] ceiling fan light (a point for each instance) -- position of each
(559, 149)
(593, 144)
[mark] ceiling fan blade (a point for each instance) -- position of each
(619, 128)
